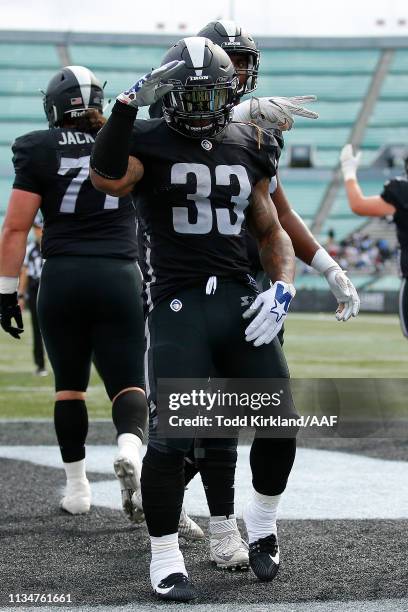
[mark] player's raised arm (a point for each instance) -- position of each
(113, 169)
(278, 260)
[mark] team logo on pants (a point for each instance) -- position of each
(176, 305)
(207, 145)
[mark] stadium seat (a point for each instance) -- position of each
(304, 196)
(6, 166)
(25, 81)
(132, 58)
(14, 108)
(325, 87)
(395, 86)
(10, 130)
(375, 137)
(389, 113)
(335, 137)
(25, 55)
(311, 61)
(400, 61)
(5, 187)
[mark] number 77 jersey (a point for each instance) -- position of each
(193, 201)
(78, 219)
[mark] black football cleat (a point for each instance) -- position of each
(264, 558)
(176, 587)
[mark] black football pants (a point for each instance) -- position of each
(205, 335)
(90, 308)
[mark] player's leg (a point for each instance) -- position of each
(65, 329)
(216, 459)
(242, 359)
(403, 307)
(118, 342)
(177, 347)
(38, 347)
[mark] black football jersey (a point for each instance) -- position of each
(395, 192)
(78, 219)
(192, 202)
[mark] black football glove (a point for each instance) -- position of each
(9, 310)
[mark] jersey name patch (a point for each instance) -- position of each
(70, 138)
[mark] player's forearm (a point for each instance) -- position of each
(23, 281)
(354, 195)
(112, 145)
(12, 251)
(277, 255)
(303, 241)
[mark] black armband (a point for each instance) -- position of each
(112, 145)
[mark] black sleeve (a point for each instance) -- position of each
(26, 150)
(395, 192)
(271, 149)
(111, 151)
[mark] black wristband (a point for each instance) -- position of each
(111, 150)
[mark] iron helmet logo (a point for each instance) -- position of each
(176, 305)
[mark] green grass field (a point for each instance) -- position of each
(316, 346)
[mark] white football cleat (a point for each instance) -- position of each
(188, 528)
(128, 473)
(138, 513)
(227, 548)
(77, 498)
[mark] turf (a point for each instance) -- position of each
(316, 346)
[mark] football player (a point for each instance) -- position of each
(29, 282)
(392, 201)
(89, 303)
(203, 179)
(226, 547)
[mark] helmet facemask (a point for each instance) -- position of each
(251, 72)
(200, 110)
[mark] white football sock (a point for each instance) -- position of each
(166, 558)
(219, 524)
(75, 470)
(260, 516)
(129, 445)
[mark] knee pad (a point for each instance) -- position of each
(129, 413)
(71, 427)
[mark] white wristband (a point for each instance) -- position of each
(322, 262)
(8, 284)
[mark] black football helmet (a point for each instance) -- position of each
(71, 91)
(233, 39)
(204, 89)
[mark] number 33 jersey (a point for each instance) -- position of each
(78, 219)
(193, 201)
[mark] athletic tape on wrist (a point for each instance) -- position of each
(8, 284)
(322, 262)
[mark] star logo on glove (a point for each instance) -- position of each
(282, 301)
(279, 310)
